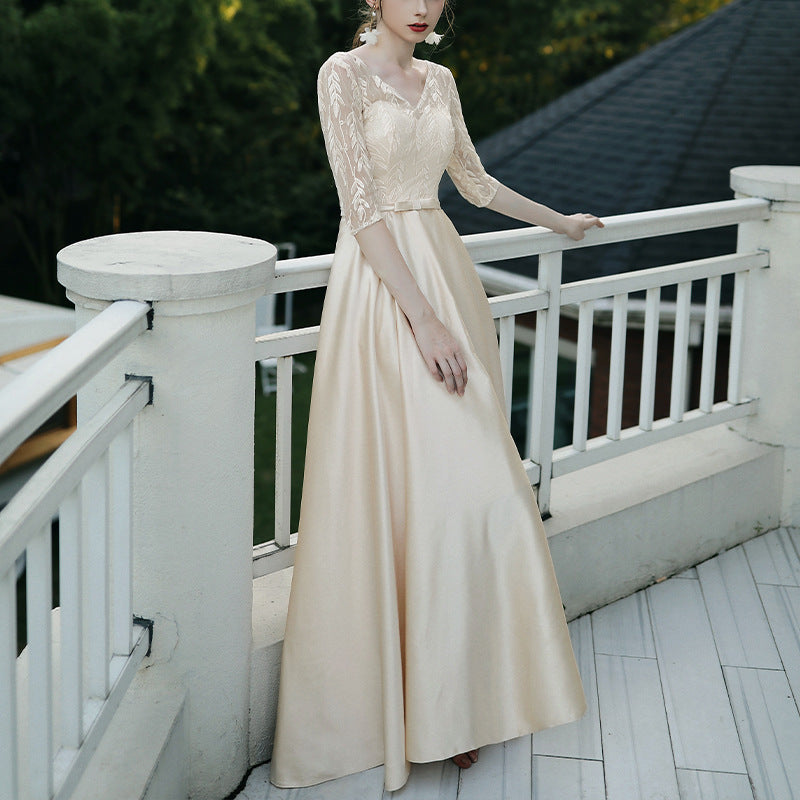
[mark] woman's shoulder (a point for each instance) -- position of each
(336, 62)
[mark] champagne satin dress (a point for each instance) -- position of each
(424, 616)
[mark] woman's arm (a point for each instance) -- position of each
(439, 349)
(512, 204)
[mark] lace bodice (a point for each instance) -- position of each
(387, 154)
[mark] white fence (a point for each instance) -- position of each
(541, 461)
(86, 484)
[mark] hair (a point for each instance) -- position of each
(365, 13)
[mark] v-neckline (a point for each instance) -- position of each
(412, 106)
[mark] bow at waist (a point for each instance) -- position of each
(412, 205)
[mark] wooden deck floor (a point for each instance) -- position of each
(693, 687)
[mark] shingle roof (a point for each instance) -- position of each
(661, 129)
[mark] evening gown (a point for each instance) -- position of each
(424, 616)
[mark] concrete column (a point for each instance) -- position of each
(771, 352)
(193, 466)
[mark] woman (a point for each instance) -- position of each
(424, 617)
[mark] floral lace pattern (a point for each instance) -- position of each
(384, 150)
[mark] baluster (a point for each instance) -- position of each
(737, 336)
(94, 501)
(537, 387)
(39, 578)
(8, 685)
(531, 421)
(283, 451)
(616, 376)
(120, 510)
(710, 335)
(507, 359)
(583, 370)
(649, 359)
(546, 368)
(680, 352)
(70, 597)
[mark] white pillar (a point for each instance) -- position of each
(193, 466)
(771, 352)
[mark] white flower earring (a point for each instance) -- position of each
(433, 37)
(371, 36)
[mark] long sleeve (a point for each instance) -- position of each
(340, 113)
(465, 168)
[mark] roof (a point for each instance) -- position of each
(662, 129)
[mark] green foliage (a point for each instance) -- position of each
(245, 131)
(91, 94)
(134, 114)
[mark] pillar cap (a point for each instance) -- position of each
(769, 182)
(165, 265)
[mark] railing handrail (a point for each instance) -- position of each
(309, 272)
(42, 389)
(23, 517)
(547, 297)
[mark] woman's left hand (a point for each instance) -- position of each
(576, 225)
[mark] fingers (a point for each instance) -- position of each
(455, 376)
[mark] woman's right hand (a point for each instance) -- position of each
(441, 352)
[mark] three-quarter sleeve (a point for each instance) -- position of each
(465, 168)
(340, 113)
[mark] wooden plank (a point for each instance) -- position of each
(616, 378)
(636, 746)
(737, 337)
(623, 628)
(550, 281)
(581, 738)
(583, 369)
(13, 355)
(436, 780)
(700, 718)
(738, 621)
(687, 573)
(94, 504)
(502, 772)
(703, 785)
(769, 727)
(649, 359)
(641, 279)
(782, 605)
(9, 784)
(680, 352)
(120, 514)
(773, 558)
(507, 359)
(44, 387)
(576, 778)
(710, 340)
(71, 600)
(602, 448)
(366, 785)
(283, 452)
(40, 665)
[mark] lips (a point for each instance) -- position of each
(418, 27)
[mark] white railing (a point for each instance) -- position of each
(86, 484)
(541, 461)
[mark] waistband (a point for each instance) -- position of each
(412, 205)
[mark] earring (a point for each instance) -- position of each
(371, 36)
(433, 37)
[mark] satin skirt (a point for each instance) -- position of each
(424, 616)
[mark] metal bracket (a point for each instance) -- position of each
(146, 623)
(149, 378)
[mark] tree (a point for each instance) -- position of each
(92, 91)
